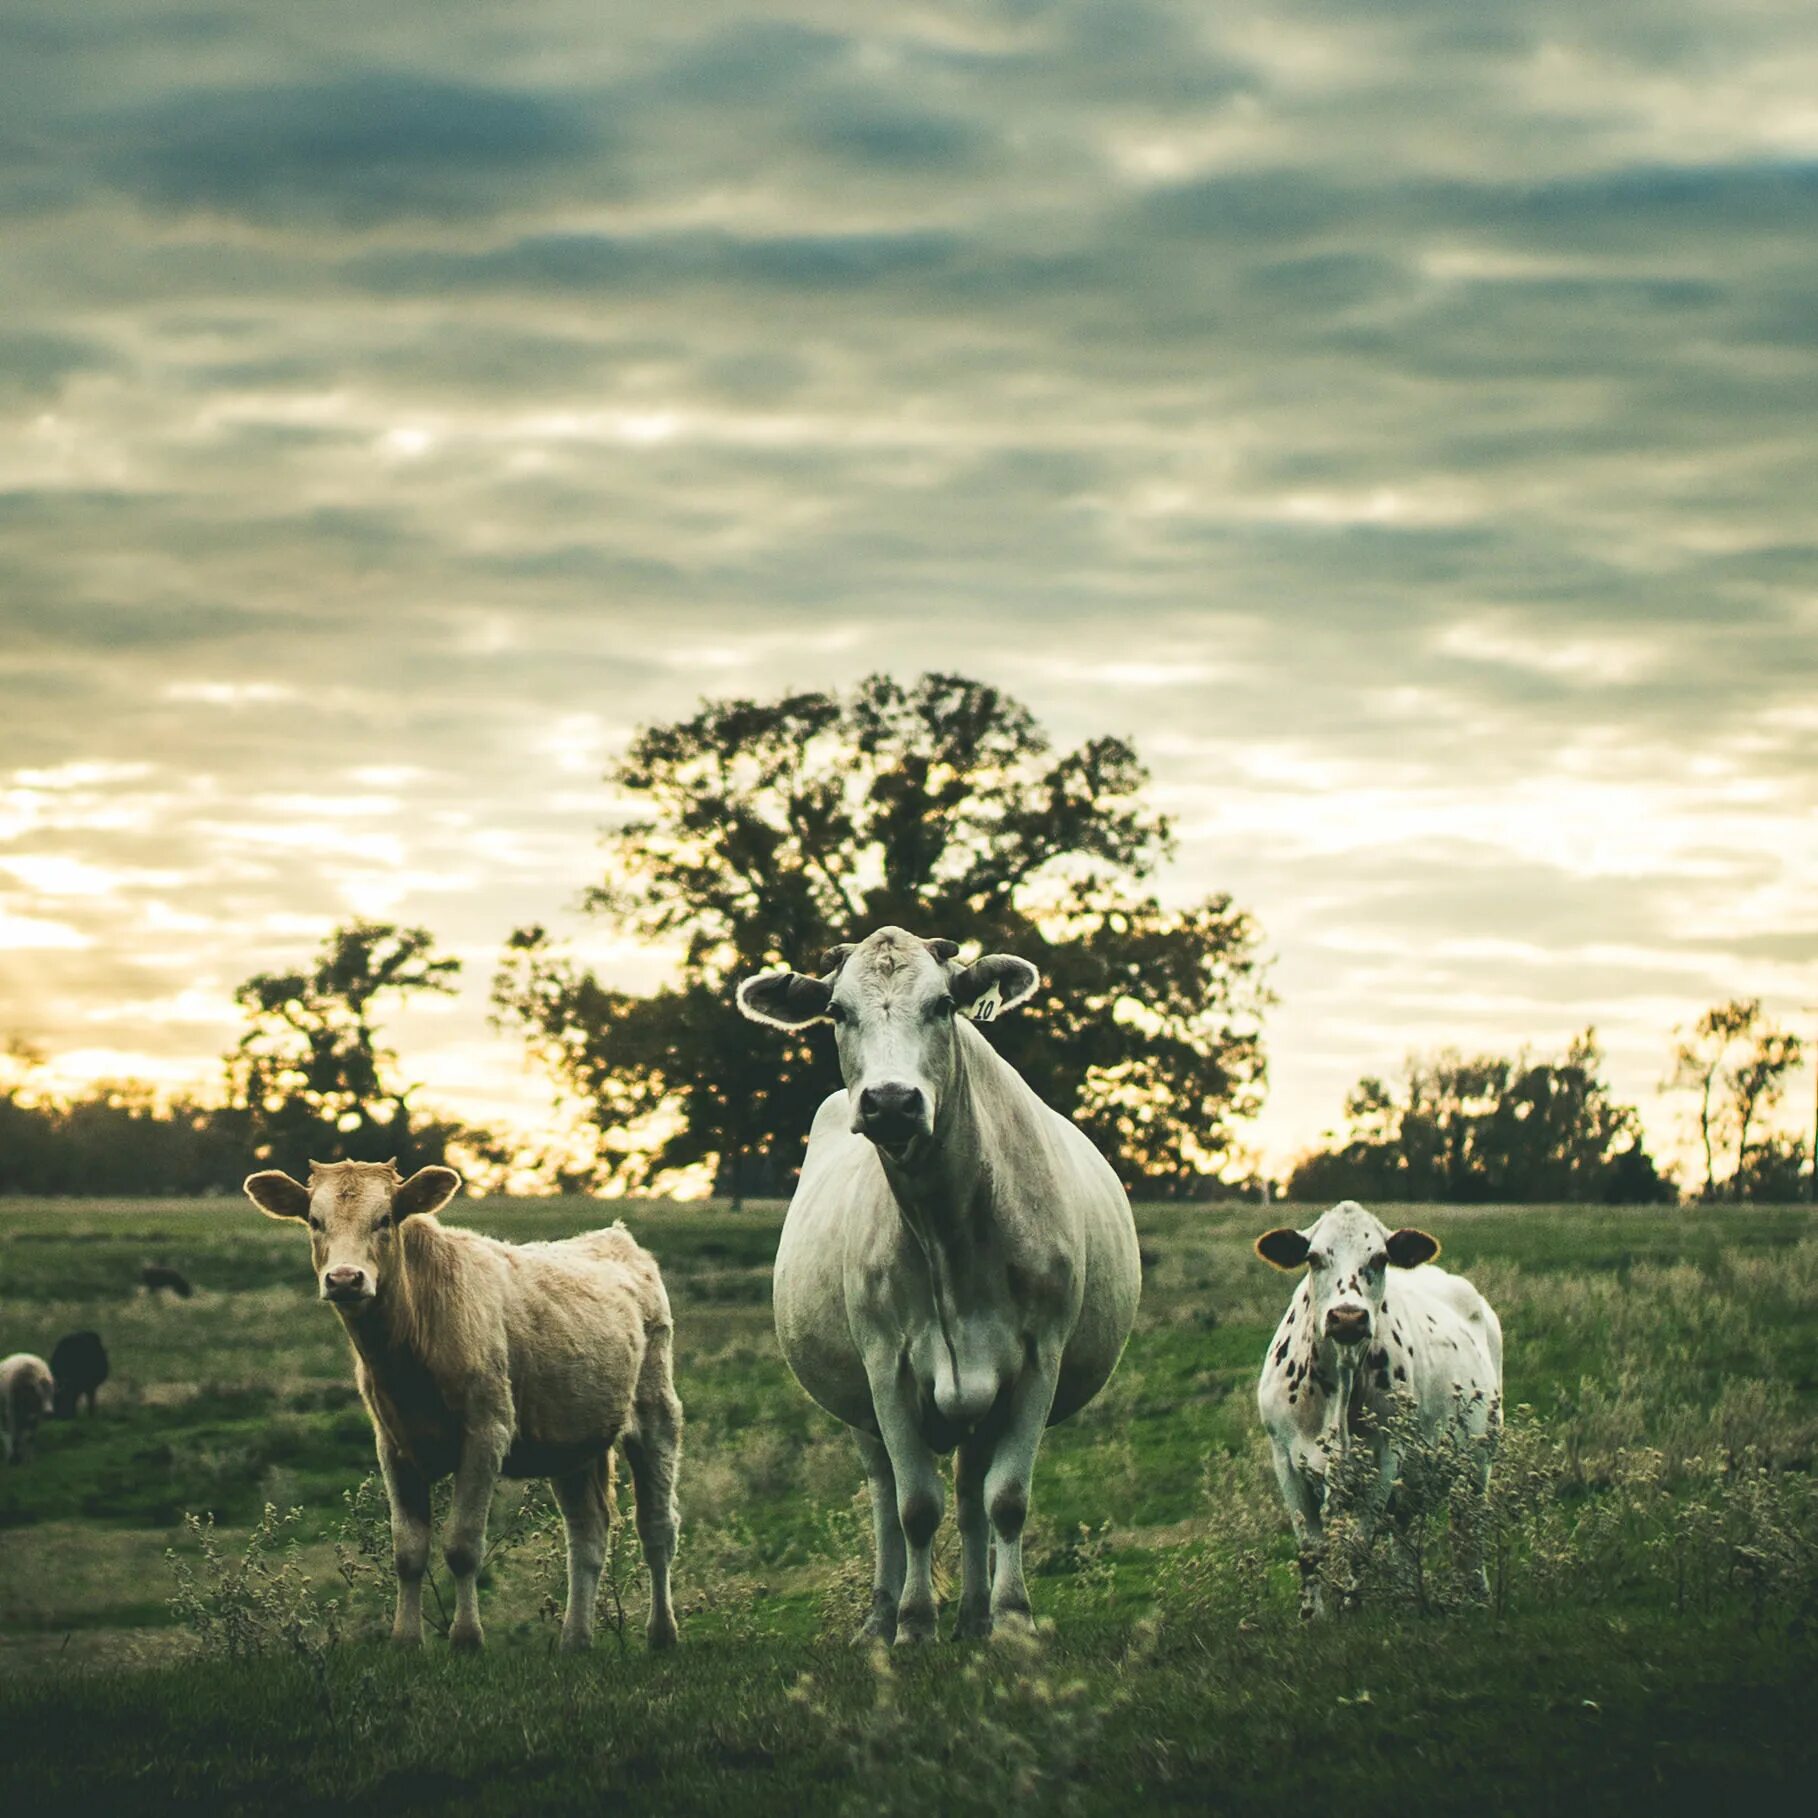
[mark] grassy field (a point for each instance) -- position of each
(1651, 1642)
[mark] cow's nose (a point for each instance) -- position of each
(1347, 1325)
(343, 1282)
(891, 1109)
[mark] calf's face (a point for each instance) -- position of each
(1347, 1254)
(892, 1000)
(353, 1211)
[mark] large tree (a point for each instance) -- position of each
(766, 832)
(1487, 1127)
(310, 1071)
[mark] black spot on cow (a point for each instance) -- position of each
(1401, 1374)
(1281, 1350)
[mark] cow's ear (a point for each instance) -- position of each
(1409, 1248)
(943, 951)
(277, 1195)
(428, 1190)
(1283, 1248)
(835, 957)
(999, 981)
(785, 1000)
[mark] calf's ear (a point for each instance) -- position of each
(277, 1195)
(785, 1000)
(1283, 1248)
(428, 1190)
(998, 981)
(1409, 1248)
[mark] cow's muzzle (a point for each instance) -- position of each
(346, 1287)
(892, 1116)
(1347, 1325)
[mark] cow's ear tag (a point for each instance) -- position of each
(987, 1004)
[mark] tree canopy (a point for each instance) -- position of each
(1737, 1059)
(766, 832)
(310, 1073)
(308, 1078)
(1487, 1127)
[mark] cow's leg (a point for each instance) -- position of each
(1475, 1563)
(483, 1449)
(920, 1498)
(1007, 1482)
(581, 1496)
(654, 1453)
(1302, 1499)
(407, 1490)
(891, 1557)
(970, 1466)
(1369, 1513)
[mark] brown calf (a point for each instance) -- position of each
(477, 1359)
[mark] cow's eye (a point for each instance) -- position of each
(942, 1006)
(1378, 1263)
(315, 1224)
(382, 1225)
(838, 1013)
(1315, 1260)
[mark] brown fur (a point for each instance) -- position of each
(481, 1358)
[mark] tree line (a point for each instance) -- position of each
(767, 832)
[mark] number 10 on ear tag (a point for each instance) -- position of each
(987, 1006)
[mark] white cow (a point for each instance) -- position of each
(26, 1398)
(1350, 1342)
(958, 1268)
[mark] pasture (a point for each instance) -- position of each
(1651, 1643)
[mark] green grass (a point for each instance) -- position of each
(1157, 1684)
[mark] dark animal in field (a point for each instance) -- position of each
(25, 1400)
(79, 1363)
(162, 1275)
(486, 1359)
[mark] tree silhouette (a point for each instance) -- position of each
(309, 1069)
(770, 831)
(1488, 1127)
(1736, 1060)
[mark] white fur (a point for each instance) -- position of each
(1428, 1333)
(965, 1289)
(26, 1397)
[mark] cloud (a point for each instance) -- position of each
(1398, 422)
(373, 146)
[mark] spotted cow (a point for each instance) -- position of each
(1371, 1321)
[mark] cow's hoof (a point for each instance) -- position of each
(660, 1634)
(1015, 1624)
(467, 1641)
(973, 1624)
(916, 1627)
(880, 1621)
(407, 1638)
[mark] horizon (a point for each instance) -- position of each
(1396, 424)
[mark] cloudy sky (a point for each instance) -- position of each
(1397, 417)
